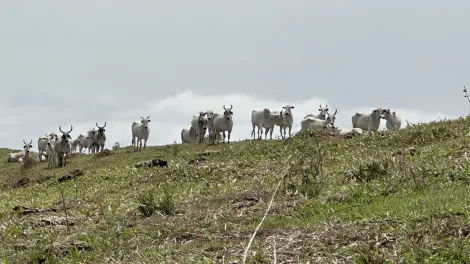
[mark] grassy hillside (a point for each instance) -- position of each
(371, 199)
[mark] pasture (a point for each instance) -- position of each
(382, 198)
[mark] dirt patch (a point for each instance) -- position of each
(53, 221)
(63, 248)
(201, 157)
(22, 210)
(25, 244)
(20, 179)
(104, 153)
(246, 200)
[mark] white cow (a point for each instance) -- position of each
(42, 144)
(21, 155)
(266, 119)
(62, 147)
(310, 122)
(343, 131)
(199, 123)
(393, 120)
(322, 115)
(86, 140)
(368, 122)
(287, 119)
(51, 154)
(75, 144)
(221, 123)
(140, 131)
(99, 139)
(188, 135)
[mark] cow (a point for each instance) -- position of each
(199, 124)
(140, 131)
(287, 119)
(62, 147)
(368, 122)
(221, 123)
(393, 120)
(99, 139)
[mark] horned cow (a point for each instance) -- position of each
(62, 147)
(99, 139)
(221, 123)
(310, 122)
(140, 131)
(322, 115)
(21, 155)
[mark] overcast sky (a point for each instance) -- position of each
(77, 63)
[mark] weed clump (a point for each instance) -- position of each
(149, 204)
(376, 169)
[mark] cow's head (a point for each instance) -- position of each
(378, 114)
(323, 112)
(228, 112)
(288, 110)
(145, 121)
(332, 118)
(91, 133)
(101, 130)
(66, 135)
(27, 146)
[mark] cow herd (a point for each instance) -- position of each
(207, 127)
(217, 124)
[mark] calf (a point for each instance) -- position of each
(51, 154)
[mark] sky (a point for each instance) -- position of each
(77, 63)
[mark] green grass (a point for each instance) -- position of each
(377, 198)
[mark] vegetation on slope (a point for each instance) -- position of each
(371, 199)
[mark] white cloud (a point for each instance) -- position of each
(169, 115)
